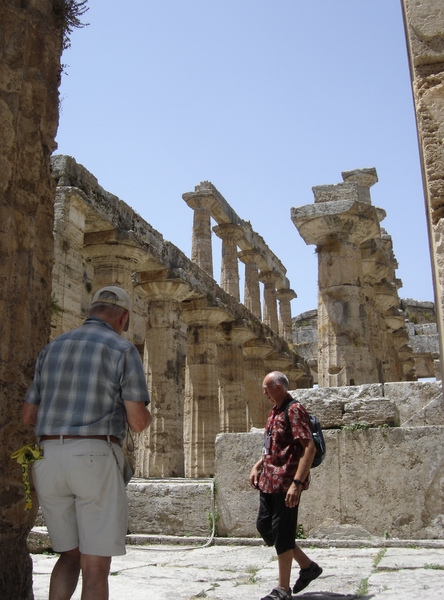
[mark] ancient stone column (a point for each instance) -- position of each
(159, 450)
(229, 280)
(255, 351)
(30, 48)
(230, 360)
(424, 25)
(338, 223)
(252, 293)
(201, 408)
(268, 278)
(114, 259)
(285, 328)
(201, 246)
(69, 282)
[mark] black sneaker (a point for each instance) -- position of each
(306, 576)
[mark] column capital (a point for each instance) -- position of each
(285, 294)
(228, 231)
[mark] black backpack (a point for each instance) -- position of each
(318, 436)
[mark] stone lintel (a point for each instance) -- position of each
(207, 195)
(335, 193)
(364, 178)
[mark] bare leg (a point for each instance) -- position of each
(301, 558)
(65, 575)
(284, 564)
(95, 571)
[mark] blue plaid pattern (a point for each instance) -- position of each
(81, 380)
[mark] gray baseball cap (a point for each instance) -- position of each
(121, 299)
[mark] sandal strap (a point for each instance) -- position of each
(276, 594)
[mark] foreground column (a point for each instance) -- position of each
(338, 223)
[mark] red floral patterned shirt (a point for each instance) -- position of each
(281, 461)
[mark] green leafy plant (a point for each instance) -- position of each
(362, 588)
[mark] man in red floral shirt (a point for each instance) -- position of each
(281, 475)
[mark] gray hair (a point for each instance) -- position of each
(279, 378)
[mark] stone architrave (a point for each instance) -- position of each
(268, 278)
(338, 223)
(285, 296)
(255, 352)
(229, 280)
(159, 450)
(252, 293)
(230, 360)
(68, 285)
(201, 245)
(424, 25)
(31, 44)
(201, 405)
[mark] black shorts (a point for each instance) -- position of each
(276, 522)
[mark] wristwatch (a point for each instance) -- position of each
(298, 482)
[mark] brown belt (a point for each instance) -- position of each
(80, 437)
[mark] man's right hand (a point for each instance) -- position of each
(255, 474)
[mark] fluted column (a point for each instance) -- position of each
(285, 296)
(252, 292)
(230, 360)
(229, 277)
(201, 245)
(270, 318)
(338, 223)
(255, 351)
(201, 408)
(69, 289)
(160, 448)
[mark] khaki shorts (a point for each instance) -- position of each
(82, 496)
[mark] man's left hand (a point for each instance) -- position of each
(293, 495)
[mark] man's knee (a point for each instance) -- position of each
(97, 566)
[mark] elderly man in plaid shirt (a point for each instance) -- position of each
(281, 475)
(88, 385)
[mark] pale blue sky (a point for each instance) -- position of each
(263, 98)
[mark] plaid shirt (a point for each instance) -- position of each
(281, 462)
(81, 380)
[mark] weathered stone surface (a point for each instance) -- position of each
(170, 506)
(418, 403)
(30, 49)
(399, 469)
(236, 502)
(372, 412)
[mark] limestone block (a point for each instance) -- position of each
(427, 32)
(412, 397)
(422, 344)
(237, 503)
(328, 403)
(373, 412)
(169, 506)
(399, 469)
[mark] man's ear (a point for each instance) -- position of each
(126, 316)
